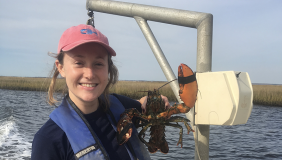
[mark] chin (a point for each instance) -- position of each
(90, 98)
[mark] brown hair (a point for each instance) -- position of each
(113, 78)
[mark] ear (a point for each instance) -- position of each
(60, 67)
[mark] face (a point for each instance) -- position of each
(85, 69)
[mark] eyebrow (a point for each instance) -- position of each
(81, 56)
(78, 56)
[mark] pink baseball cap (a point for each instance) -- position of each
(82, 34)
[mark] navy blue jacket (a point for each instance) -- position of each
(51, 142)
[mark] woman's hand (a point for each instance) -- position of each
(143, 102)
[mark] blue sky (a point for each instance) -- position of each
(247, 37)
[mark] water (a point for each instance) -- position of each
(22, 113)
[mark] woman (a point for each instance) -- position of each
(84, 125)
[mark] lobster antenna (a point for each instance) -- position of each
(166, 83)
(161, 86)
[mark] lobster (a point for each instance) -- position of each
(157, 117)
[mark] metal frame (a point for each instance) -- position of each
(203, 22)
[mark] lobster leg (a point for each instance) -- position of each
(140, 122)
(180, 132)
(133, 112)
(181, 119)
(124, 126)
(175, 109)
(142, 133)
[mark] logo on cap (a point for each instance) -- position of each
(87, 31)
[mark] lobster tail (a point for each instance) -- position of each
(157, 140)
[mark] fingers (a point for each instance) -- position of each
(143, 102)
(167, 104)
(143, 99)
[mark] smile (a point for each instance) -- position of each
(88, 85)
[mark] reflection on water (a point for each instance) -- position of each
(22, 113)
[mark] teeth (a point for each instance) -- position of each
(89, 85)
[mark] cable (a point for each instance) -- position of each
(90, 21)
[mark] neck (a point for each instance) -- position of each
(85, 107)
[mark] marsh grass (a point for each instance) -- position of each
(268, 95)
(132, 89)
(127, 88)
(263, 94)
(30, 84)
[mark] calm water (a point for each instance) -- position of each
(22, 113)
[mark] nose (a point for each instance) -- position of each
(89, 73)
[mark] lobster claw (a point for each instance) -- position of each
(124, 129)
(188, 85)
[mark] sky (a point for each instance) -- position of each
(247, 37)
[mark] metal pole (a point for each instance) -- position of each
(203, 22)
(204, 63)
(159, 14)
(158, 54)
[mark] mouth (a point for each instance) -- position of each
(88, 84)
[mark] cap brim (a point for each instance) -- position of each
(78, 43)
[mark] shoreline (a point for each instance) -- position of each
(263, 94)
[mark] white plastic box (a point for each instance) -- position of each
(224, 98)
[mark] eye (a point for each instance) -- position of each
(99, 64)
(78, 63)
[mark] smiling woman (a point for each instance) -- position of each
(84, 125)
(80, 46)
(86, 74)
